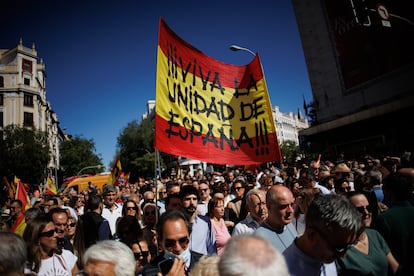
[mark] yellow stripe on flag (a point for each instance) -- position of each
(209, 110)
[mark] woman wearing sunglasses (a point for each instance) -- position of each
(75, 235)
(44, 257)
(130, 208)
(371, 254)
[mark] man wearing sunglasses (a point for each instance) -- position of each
(17, 219)
(174, 230)
(333, 225)
(60, 218)
(204, 191)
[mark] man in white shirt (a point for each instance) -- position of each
(256, 206)
(112, 210)
(204, 192)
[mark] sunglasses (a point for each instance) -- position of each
(49, 233)
(131, 208)
(364, 209)
(345, 189)
(339, 250)
(140, 255)
(238, 188)
(184, 241)
(73, 224)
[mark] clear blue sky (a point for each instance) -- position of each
(100, 55)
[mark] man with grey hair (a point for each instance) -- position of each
(256, 206)
(333, 225)
(109, 257)
(250, 255)
(13, 254)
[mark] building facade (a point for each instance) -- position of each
(361, 66)
(23, 99)
(288, 125)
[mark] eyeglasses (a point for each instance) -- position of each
(73, 224)
(141, 255)
(131, 208)
(364, 209)
(48, 234)
(338, 250)
(184, 241)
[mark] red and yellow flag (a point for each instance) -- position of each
(21, 194)
(209, 110)
(11, 189)
(116, 171)
(50, 186)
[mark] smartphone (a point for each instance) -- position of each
(165, 265)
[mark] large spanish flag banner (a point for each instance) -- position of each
(209, 110)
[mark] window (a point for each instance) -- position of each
(1, 81)
(27, 66)
(26, 81)
(1, 119)
(1, 100)
(28, 100)
(28, 119)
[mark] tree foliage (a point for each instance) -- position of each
(136, 149)
(78, 153)
(290, 151)
(24, 153)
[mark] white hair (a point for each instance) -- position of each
(250, 255)
(113, 251)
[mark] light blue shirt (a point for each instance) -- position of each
(202, 238)
(279, 239)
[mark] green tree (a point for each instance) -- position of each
(136, 149)
(78, 153)
(24, 153)
(290, 151)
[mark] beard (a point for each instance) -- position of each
(191, 209)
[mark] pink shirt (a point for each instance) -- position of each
(222, 235)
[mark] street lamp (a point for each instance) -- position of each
(239, 48)
(90, 167)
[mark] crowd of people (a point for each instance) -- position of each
(311, 218)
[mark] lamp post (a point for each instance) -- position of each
(90, 167)
(239, 48)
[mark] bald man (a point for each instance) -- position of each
(277, 228)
